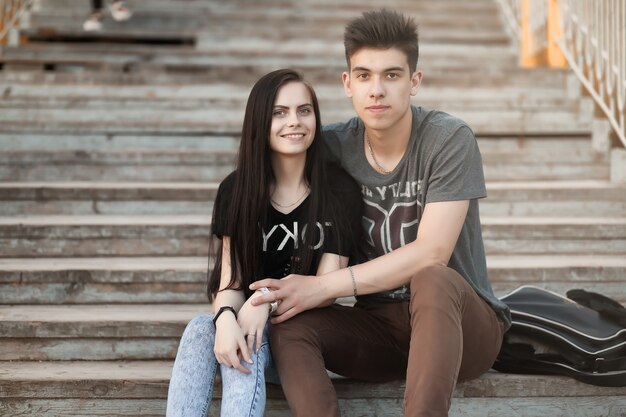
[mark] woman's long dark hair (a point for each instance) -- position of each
(251, 192)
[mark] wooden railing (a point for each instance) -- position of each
(587, 35)
(12, 14)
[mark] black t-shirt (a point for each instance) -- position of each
(282, 231)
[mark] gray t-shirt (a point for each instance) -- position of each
(442, 163)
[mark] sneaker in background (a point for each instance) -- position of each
(119, 11)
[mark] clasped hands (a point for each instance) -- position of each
(295, 294)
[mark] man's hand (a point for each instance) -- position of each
(296, 293)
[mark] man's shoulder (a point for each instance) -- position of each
(439, 124)
(341, 129)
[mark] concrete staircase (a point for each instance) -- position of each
(113, 145)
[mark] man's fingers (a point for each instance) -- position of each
(271, 283)
(266, 298)
(285, 316)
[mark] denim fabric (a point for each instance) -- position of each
(191, 386)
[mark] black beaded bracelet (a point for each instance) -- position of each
(220, 311)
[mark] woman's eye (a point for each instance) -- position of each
(305, 110)
(278, 113)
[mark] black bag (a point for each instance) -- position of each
(551, 334)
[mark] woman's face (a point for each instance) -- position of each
(293, 120)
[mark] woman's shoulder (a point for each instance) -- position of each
(227, 183)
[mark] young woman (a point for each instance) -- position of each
(284, 210)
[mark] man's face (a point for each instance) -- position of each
(380, 85)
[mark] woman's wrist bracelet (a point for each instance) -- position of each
(353, 281)
(220, 311)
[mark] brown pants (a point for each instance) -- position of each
(445, 334)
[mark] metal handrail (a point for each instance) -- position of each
(11, 14)
(587, 35)
(594, 45)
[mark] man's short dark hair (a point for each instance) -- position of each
(382, 29)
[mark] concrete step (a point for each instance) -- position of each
(85, 332)
(504, 78)
(258, 58)
(311, 50)
(544, 148)
(30, 142)
(112, 280)
(518, 198)
(181, 164)
(233, 97)
(206, 28)
(89, 109)
(53, 23)
(103, 280)
(225, 121)
(187, 235)
(139, 388)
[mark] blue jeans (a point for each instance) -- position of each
(191, 386)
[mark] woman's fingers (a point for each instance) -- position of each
(250, 338)
(259, 339)
(245, 352)
(234, 362)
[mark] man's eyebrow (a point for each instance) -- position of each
(385, 70)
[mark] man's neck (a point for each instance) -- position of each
(391, 143)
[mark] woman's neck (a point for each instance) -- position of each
(290, 187)
(288, 171)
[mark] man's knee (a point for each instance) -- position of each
(436, 286)
(297, 329)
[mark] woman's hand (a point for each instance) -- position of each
(252, 321)
(230, 344)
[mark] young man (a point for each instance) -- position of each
(425, 308)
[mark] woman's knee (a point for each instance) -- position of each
(199, 328)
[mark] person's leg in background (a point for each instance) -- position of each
(119, 12)
(94, 20)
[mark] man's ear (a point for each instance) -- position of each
(345, 79)
(416, 80)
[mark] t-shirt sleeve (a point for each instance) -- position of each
(219, 223)
(332, 147)
(456, 171)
